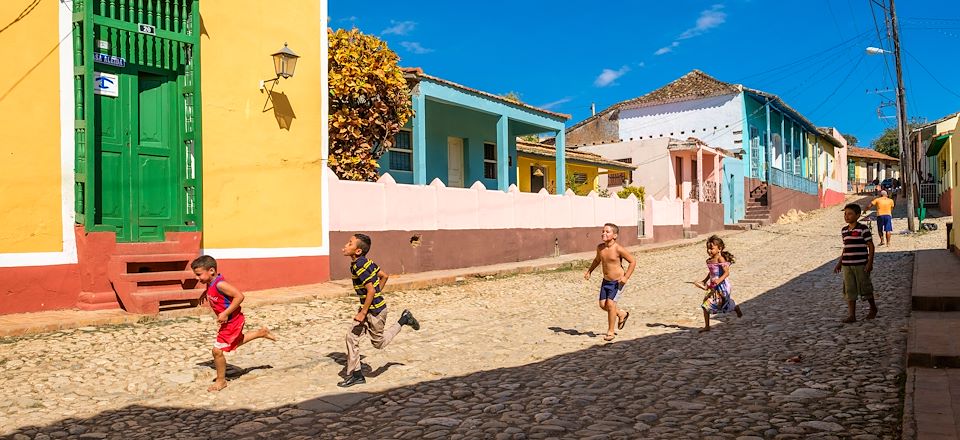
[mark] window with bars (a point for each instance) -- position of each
(489, 160)
(401, 154)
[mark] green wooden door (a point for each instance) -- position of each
(138, 156)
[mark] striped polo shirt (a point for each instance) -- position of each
(855, 251)
(365, 272)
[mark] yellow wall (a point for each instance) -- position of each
(30, 195)
(523, 173)
(955, 168)
(261, 182)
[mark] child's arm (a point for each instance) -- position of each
(235, 294)
(593, 265)
(383, 280)
(870, 250)
(726, 273)
(367, 301)
(626, 255)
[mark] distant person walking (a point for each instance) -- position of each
(884, 206)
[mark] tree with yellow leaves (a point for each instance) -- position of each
(369, 103)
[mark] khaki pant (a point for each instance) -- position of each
(374, 325)
(856, 283)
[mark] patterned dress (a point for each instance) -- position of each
(718, 300)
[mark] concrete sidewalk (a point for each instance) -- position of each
(20, 324)
(932, 390)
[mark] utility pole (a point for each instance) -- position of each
(906, 152)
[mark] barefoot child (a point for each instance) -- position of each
(718, 299)
(368, 281)
(225, 301)
(611, 254)
(856, 262)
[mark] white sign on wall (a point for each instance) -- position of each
(106, 84)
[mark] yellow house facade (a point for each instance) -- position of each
(537, 169)
(137, 136)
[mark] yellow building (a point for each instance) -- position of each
(138, 135)
(537, 169)
(937, 160)
(868, 166)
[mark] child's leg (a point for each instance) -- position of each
(353, 346)
(737, 309)
(378, 336)
(263, 332)
(706, 320)
(851, 312)
(873, 308)
(220, 362)
(612, 313)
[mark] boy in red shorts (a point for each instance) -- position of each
(225, 301)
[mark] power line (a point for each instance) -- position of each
(931, 74)
(23, 14)
(811, 56)
(842, 82)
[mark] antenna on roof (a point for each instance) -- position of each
(593, 109)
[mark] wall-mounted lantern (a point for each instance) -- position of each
(284, 64)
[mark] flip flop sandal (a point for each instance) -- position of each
(623, 322)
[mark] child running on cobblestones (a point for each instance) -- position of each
(716, 283)
(611, 254)
(856, 262)
(368, 281)
(225, 301)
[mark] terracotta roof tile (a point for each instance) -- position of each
(869, 154)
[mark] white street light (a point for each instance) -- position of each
(877, 51)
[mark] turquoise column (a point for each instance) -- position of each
(783, 151)
(768, 163)
(503, 150)
(419, 139)
(803, 154)
(793, 146)
(561, 161)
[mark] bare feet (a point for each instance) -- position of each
(609, 337)
(872, 314)
(849, 320)
(739, 313)
(704, 330)
(217, 386)
(268, 334)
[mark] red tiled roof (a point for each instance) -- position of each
(417, 72)
(869, 154)
(696, 85)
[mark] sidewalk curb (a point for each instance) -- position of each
(25, 324)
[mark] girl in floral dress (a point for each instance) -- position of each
(717, 299)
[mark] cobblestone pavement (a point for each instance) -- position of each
(508, 358)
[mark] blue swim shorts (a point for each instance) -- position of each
(610, 290)
(884, 223)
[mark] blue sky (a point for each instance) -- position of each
(564, 55)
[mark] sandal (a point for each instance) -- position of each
(623, 322)
(609, 337)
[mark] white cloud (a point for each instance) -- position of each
(553, 104)
(667, 49)
(709, 19)
(415, 47)
(399, 28)
(351, 19)
(608, 76)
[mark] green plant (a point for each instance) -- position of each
(604, 192)
(638, 191)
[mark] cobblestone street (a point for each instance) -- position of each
(509, 358)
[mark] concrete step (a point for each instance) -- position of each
(168, 295)
(154, 258)
(932, 340)
(173, 275)
(930, 292)
(98, 301)
(689, 234)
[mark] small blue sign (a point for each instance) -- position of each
(109, 60)
(106, 84)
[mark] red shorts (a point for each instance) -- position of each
(231, 334)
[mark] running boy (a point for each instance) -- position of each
(856, 262)
(611, 254)
(225, 301)
(368, 281)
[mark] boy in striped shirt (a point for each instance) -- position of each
(368, 281)
(856, 262)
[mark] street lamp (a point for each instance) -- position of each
(284, 64)
(877, 51)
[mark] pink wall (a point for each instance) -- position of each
(389, 206)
